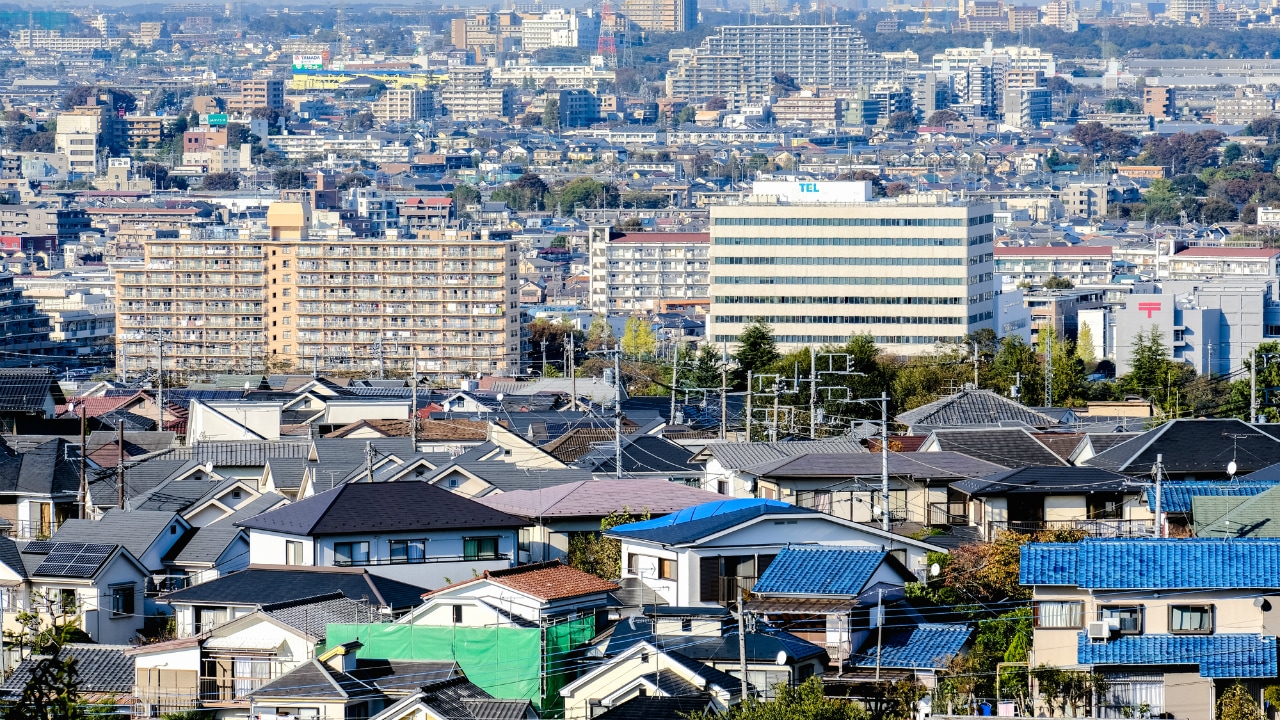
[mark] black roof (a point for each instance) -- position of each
(1046, 481)
(1007, 447)
(650, 707)
(1200, 447)
(102, 669)
(25, 390)
(260, 585)
(641, 454)
(381, 507)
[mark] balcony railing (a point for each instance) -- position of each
(733, 589)
(34, 529)
(1095, 527)
(422, 560)
(949, 513)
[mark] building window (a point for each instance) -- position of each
(666, 569)
(1130, 617)
(1059, 614)
(633, 564)
(525, 539)
(1191, 619)
(1106, 506)
(407, 551)
(293, 552)
(481, 548)
(457, 614)
(351, 553)
(122, 600)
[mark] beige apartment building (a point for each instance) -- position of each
(655, 272)
(404, 105)
(821, 261)
(304, 291)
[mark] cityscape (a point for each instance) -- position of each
(640, 360)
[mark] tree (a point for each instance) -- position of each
(221, 182)
(1015, 363)
(551, 114)
(940, 118)
(555, 335)
(1058, 283)
(704, 370)
(1085, 349)
(806, 701)
(354, 180)
(715, 103)
(1231, 153)
(686, 114)
(638, 338)
(757, 350)
(1122, 105)
(600, 334)
(464, 195)
(53, 692)
(1218, 211)
(1237, 703)
(40, 141)
(588, 193)
(594, 553)
(1068, 370)
(527, 192)
(902, 121)
(290, 179)
(1068, 691)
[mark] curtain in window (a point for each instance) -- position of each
(1189, 619)
(1061, 614)
(1126, 693)
(250, 673)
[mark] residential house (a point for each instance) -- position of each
(724, 462)
(648, 707)
(645, 670)
(412, 531)
(1093, 443)
(38, 487)
(28, 394)
(1030, 499)
(1201, 449)
(340, 684)
(1237, 516)
(560, 513)
(456, 699)
(1006, 447)
(644, 456)
(149, 535)
(977, 407)
(200, 608)
(218, 667)
(105, 673)
(708, 554)
(1169, 623)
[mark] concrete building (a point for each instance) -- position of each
(1243, 108)
(470, 95)
(1160, 102)
(28, 220)
(808, 109)
(404, 105)
(662, 15)
(823, 261)
(82, 323)
(1214, 263)
(648, 271)
(304, 290)
(77, 139)
(578, 108)
(1082, 265)
(23, 328)
(258, 93)
(1028, 107)
(1088, 200)
(561, 28)
(745, 59)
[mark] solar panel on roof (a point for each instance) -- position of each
(39, 547)
(78, 560)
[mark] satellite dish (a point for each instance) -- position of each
(447, 407)
(781, 659)
(500, 396)
(934, 569)
(875, 510)
(1231, 468)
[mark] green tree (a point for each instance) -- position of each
(686, 114)
(354, 180)
(806, 701)
(594, 553)
(1058, 283)
(1149, 365)
(638, 338)
(1085, 349)
(290, 179)
(551, 115)
(1237, 703)
(464, 195)
(1015, 364)
(757, 351)
(221, 182)
(599, 334)
(704, 370)
(1068, 370)
(588, 193)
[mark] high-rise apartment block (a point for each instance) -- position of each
(823, 261)
(304, 291)
(258, 93)
(654, 272)
(662, 15)
(1160, 102)
(405, 105)
(746, 59)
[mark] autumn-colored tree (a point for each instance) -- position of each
(594, 553)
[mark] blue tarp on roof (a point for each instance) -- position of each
(1154, 563)
(820, 571)
(928, 645)
(1175, 495)
(1218, 656)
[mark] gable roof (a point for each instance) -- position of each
(693, 523)
(1238, 517)
(597, 498)
(1007, 447)
(651, 707)
(371, 678)
(102, 669)
(1223, 655)
(1194, 446)
(641, 454)
(947, 465)
(368, 508)
(820, 570)
(136, 530)
(925, 646)
(975, 407)
(545, 581)
(732, 456)
(204, 545)
(1178, 496)
(259, 585)
(1153, 564)
(25, 390)
(1046, 480)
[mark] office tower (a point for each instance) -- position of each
(823, 261)
(662, 15)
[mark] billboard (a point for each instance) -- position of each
(217, 119)
(310, 61)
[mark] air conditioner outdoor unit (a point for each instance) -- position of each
(1099, 630)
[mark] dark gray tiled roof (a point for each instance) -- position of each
(735, 456)
(921, 465)
(11, 557)
(313, 615)
(1194, 446)
(102, 669)
(41, 470)
(507, 476)
(371, 678)
(266, 585)
(641, 454)
(1007, 447)
(974, 407)
(1046, 480)
(253, 508)
(649, 707)
(26, 389)
(136, 530)
(287, 473)
(206, 544)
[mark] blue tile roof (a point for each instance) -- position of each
(928, 645)
(1219, 656)
(1175, 495)
(1154, 563)
(699, 521)
(819, 571)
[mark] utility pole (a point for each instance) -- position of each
(80, 495)
(617, 411)
(413, 413)
(879, 628)
(1253, 386)
(1159, 470)
(377, 351)
(159, 383)
(368, 461)
(773, 428)
(813, 392)
(1048, 367)
(742, 645)
(884, 464)
(573, 375)
(975, 364)
(724, 393)
(544, 357)
(120, 465)
(750, 378)
(675, 375)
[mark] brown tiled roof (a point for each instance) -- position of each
(898, 443)
(427, 429)
(96, 406)
(546, 581)
(578, 441)
(1061, 444)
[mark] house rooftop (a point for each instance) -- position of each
(1153, 563)
(545, 581)
(259, 585)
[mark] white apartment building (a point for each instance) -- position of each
(364, 147)
(561, 28)
(821, 261)
(648, 271)
(77, 140)
(405, 105)
(567, 77)
(1015, 57)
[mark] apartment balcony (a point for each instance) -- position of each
(1096, 528)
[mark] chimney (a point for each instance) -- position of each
(343, 657)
